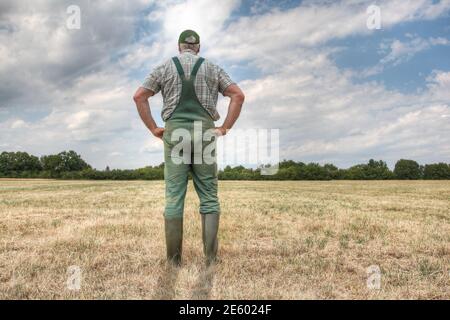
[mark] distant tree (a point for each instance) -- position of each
(64, 162)
(73, 161)
(18, 162)
(378, 170)
(149, 173)
(437, 171)
(373, 170)
(70, 165)
(407, 170)
(355, 172)
(290, 164)
(313, 171)
(287, 173)
(332, 170)
(238, 173)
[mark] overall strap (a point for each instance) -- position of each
(179, 67)
(196, 66)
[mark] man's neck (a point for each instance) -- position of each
(188, 51)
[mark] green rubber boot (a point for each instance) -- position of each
(210, 228)
(174, 239)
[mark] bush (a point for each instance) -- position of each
(437, 171)
(18, 161)
(63, 162)
(373, 170)
(407, 170)
(70, 165)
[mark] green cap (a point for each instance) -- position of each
(189, 36)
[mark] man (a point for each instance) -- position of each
(189, 85)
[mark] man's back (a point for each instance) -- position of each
(210, 80)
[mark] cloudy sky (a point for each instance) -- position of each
(337, 90)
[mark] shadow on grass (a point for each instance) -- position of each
(203, 286)
(165, 286)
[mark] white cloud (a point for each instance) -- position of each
(312, 24)
(439, 86)
(19, 123)
(323, 115)
(152, 146)
(402, 51)
(43, 57)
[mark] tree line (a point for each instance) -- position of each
(70, 165)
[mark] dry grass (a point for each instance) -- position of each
(278, 240)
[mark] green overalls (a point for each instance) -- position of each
(188, 112)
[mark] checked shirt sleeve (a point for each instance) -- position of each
(224, 81)
(153, 80)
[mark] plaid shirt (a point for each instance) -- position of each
(210, 80)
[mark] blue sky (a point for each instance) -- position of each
(363, 52)
(337, 91)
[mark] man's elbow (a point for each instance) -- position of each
(137, 97)
(240, 97)
(141, 95)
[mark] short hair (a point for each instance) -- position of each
(192, 46)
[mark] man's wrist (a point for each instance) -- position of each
(223, 130)
(153, 130)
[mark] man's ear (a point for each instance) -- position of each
(179, 48)
(198, 48)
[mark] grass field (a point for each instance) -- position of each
(278, 240)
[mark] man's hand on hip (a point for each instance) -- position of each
(220, 131)
(158, 132)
